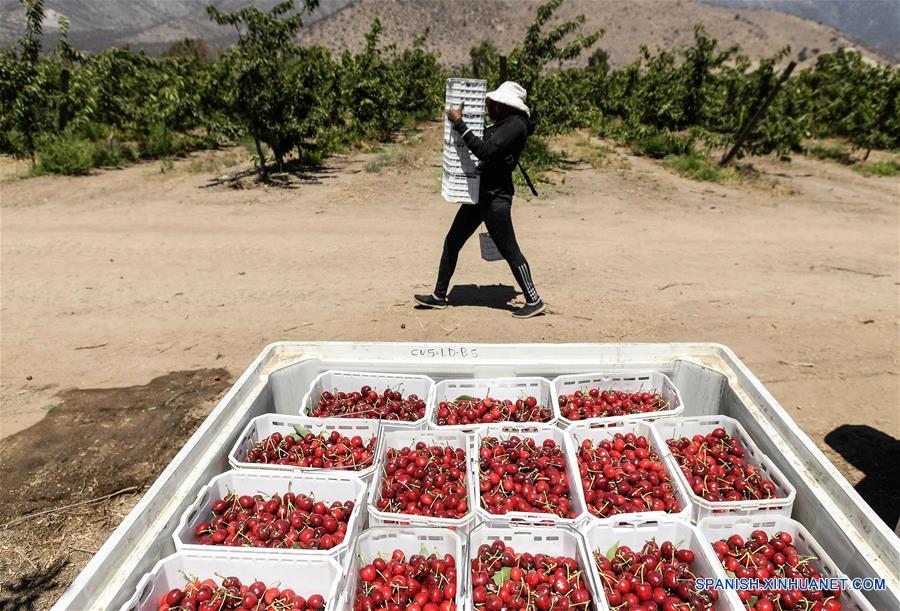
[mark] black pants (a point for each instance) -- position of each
(495, 213)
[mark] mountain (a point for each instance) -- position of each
(455, 25)
(458, 25)
(875, 23)
(151, 25)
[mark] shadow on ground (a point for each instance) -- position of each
(496, 296)
(67, 481)
(25, 592)
(877, 455)
(294, 175)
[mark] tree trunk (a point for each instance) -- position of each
(279, 158)
(868, 150)
(64, 114)
(262, 158)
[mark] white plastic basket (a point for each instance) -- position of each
(554, 541)
(721, 527)
(489, 250)
(538, 432)
(456, 195)
(351, 381)
(325, 488)
(407, 439)
(306, 575)
(262, 426)
(635, 533)
(463, 86)
(460, 183)
(498, 388)
(673, 428)
(460, 196)
(598, 432)
(462, 163)
(474, 120)
(636, 381)
(409, 540)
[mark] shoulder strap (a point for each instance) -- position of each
(527, 178)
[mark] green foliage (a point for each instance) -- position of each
(268, 83)
(73, 155)
(420, 78)
(697, 166)
(280, 99)
(113, 154)
(192, 48)
(834, 153)
(66, 155)
(159, 141)
(371, 103)
(650, 142)
(701, 88)
(880, 168)
(485, 59)
(312, 157)
(539, 157)
(849, 97)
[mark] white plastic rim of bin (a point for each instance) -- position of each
(671, 428)
(624, 381)
(489, 251)
(262, 426)
(723, 526)
(321, 487)
(597, 432)
(635, 532)
(352, 381)
(408, 439)
(497, 388)
(305, 575)
(411, 541)
(538, 432)
(553, 541)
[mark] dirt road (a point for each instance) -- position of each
(113, 280)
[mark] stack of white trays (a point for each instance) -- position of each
(461, 180)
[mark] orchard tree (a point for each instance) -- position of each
(255, 77)
(24, 89)
(369, 93)
(556, 100)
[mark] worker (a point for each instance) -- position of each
(498, 154)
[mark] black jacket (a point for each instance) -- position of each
(498, 152)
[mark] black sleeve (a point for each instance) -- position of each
(506, 139)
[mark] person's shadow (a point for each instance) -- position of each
(877, 455)
(495, 296)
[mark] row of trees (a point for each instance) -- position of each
(282, 96)
(293, 100)
(666, 100)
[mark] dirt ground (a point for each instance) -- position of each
(105, 444)
(112, 281)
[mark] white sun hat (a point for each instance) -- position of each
(510, 94)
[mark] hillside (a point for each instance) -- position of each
(457, 25)
(874, 23)
(151, 25)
